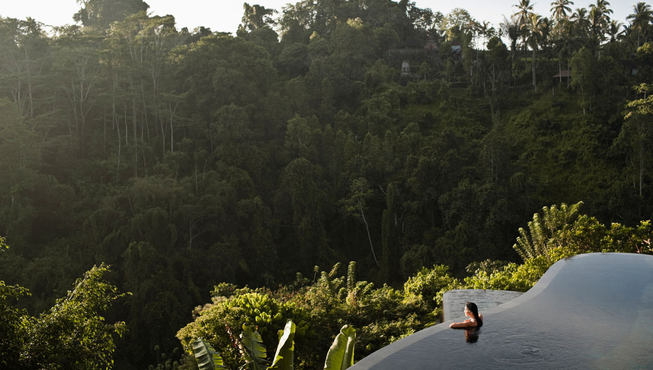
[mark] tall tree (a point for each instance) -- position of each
(640, 21)
(615, 30)
(510, 27)
(256, 17)
(537, 31)
(599, 18)
(101, 13)
(23, 61)
(356, 204)
(524, 10)
(559, 10)
(636, 133)
(78, 66)
(561, 31)
(581, 24)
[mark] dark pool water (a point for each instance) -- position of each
(589, 311)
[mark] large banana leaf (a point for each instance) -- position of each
(283, 358)
(207, 358)
(341, 353)
(256, 353)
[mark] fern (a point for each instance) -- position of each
(546, 232)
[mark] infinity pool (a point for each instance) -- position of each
(588, 311)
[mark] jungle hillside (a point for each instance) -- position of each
(157, 183)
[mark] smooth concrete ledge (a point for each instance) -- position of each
(453, 301)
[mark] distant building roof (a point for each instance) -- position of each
(563, 73)
(430, 45)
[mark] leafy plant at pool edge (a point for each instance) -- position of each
(546, 232)
(252, 348)
(341, 353)
(284, 356)
(339, 357)
(207, 358)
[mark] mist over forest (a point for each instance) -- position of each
(194, 167)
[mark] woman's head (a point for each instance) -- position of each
(472, 310)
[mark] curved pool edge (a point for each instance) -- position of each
(404, 345)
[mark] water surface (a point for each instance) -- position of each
(588, 311)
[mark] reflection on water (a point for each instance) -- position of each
(471, 335)
(589, 311)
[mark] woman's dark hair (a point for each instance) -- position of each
(471, 306)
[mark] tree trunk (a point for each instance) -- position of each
(369, 236)
(172, 135)
(533, 70)
(641, 160)
(135, 128)
(117, 121)
(29, 86)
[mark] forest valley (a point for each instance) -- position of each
(146, 171)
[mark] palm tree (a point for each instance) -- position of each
(510, 27)
(596, 24)
(640, 20)
(559, 9)
(603, 6)
(614, 30)
(599, 18)
(524, 10)
(580, 23)
(485, 29)
(537, 32)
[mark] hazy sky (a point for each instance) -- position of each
(224, 15)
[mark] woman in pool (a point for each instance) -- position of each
(474, 321)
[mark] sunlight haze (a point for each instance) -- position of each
(225, 15)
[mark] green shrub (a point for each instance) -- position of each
(381, 315)
(516, 277)
(427, 287)
(620, 238)
(220, 322)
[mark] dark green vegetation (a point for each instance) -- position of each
(384, 314)
(188, 158)
(72, 334)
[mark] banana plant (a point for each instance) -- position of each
(207, 358)
(341, 353)
(339, 357)
(255, 353)
(284, 356)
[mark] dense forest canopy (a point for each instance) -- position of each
(329, 131)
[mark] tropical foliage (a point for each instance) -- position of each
(73, 334)
(383, 315)
(327, 131)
